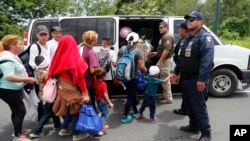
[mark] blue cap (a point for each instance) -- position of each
(183, 25)
(194, 14)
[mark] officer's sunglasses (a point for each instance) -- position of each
(192, 19)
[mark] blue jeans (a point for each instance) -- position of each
(131, 91)
(149, 101)
(195, 104)
(71, 118)
(103, 107)
(47, 113)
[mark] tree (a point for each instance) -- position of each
(92, 8)
(13, 13)
(22, 10)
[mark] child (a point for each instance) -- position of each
(103, 101)
(149, 99)
(42, 65)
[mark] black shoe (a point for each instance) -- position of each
(189, 129)
(180, 111)
(205, 138)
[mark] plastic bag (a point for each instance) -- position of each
(142, 84)
(31, 103)
(89, 121)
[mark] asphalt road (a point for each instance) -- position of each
(222, 112)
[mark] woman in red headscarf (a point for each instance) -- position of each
(69, 68)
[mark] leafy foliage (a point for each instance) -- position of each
(236, 25)
(14, 13)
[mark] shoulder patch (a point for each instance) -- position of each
(209, 39)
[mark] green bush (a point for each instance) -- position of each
(225, 34)
(234, 24)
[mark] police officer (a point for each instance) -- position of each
(195, 64)
(183, 32)
(165, 60)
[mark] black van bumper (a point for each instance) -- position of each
(246, 76)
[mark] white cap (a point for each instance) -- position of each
(132, 37)
(153, 70)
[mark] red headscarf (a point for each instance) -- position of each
(67, 58)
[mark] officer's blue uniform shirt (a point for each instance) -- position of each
(205, 49)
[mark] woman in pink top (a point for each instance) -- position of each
(90, 39)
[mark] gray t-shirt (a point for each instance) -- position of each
(138, 55)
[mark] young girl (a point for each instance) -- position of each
(101, 91)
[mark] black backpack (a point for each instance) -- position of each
(1, 62)
(25, 56)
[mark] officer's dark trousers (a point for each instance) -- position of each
(195, 104)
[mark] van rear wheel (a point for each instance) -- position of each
(223, 83)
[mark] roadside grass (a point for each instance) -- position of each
(243, 42)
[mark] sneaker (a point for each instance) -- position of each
(21, 138)
(154, 120)
(126, 119)
(140, 116)
(189, 129)
(101, 133)
(135, 115)
(23, 131)
(80, 136)
(205, 138)
(180, 112)
(65, 132)
(35, 135)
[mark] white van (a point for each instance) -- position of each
(231, 63)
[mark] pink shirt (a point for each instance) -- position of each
(90, 57)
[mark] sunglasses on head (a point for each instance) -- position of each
(192, 19)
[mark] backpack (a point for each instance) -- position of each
(103, 58)
(1, 62)
(125, 68)
(25, 56)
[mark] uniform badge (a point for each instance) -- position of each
(209, 39)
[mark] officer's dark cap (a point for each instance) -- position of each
(194, 14)
(183, 25)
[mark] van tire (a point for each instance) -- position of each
(223, 83)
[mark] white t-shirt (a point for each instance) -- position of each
(112, 58)
(52, 44)
(45, 52)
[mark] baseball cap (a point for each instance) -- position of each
(183, 25)
(194, 14)
(132, 37)
(42, 29)
(56, 28)
(153, 70)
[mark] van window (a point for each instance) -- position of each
(49, 23)
(105, 27)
